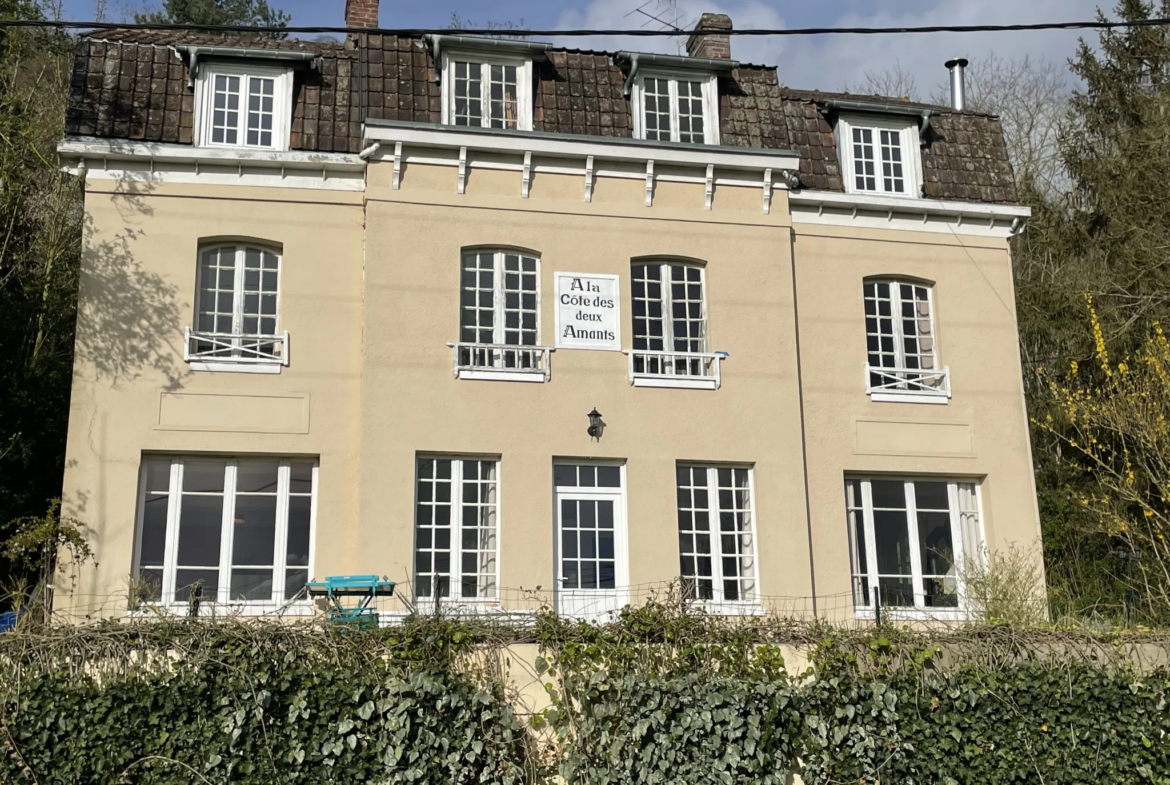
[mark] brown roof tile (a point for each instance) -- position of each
(132, 84)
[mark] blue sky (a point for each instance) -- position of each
(826, 62)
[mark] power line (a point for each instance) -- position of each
(640, 33)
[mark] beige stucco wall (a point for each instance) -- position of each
(370, 298)
(981, 434)
(412, 402)
(132, 392)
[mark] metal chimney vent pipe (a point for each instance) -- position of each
(958, 68)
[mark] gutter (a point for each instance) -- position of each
(884, 107)
(703, 64)
(439, 42)
(196, 52)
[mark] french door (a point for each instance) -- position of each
(592, 574)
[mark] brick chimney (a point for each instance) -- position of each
(712, 44)
(361, 13)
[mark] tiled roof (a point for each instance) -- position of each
(132, 84)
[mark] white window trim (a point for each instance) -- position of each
(498, 320)
(943, 396)
(717, 605)
(524, 86)
(713, 382)
(621, 546)
(920, 612)
(281, 104)
(222, 604)
(241, 364)
(911, 153)
(710, 102)
(455, 598)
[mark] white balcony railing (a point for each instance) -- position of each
(214, 348)
(908, 384)
(501, 362)
(689, 370)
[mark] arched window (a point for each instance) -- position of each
(236, 307)
(670, 326)
(900, 342)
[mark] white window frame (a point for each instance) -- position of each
(718, 604)
(671, 368)
(281, 104)
(242, 362)
(959, 542)
(568, 601)
(530, 363)
(524, 86)
(454, 575)
(222, 602)
(913, 393)
(911, 144)
(710, 87)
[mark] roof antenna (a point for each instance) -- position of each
(667, 16)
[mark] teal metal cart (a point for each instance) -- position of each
(352, 597)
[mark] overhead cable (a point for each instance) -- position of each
(640, 33)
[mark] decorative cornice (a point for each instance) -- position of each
(907, 213)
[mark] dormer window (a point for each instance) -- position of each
(676, 108)
(879, 156)
(243, 106)
(487, 92)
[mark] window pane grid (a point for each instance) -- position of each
(656, 113)
(503, 103)
(455, 529)
(863, 160)
(220, 525)
(907, 538)
(891, 151)
(499, 304)
(900, 332)
(716, 544)
(690, 113)
(466, 94)
(261, 108)
(225, 109)
(238, 296)
(669, 316)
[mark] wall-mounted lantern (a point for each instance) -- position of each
(595, 424)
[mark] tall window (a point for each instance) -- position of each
(676, 109)
(900, 342)
(455, 529)
(244, 107)
(487, 94)
(238, 529)
(236, 305)
(878, 156)
(715, 533)
(912, 541)
(499, 315)
(669, 317)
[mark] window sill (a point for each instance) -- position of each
(931, 398)
(236, 367)
(503, 376)
(676, 383)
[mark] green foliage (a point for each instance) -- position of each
(193, 702)
(216, 12)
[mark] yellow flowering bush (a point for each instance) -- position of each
(1113, 416)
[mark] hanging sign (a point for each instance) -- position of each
(588, 312)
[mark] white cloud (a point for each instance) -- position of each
(829, 62)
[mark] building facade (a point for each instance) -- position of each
(515, 325)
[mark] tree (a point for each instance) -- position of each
(40, 241)
(255, 13)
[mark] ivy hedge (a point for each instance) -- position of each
(660, 696)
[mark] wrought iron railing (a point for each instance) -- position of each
(695, 369)
(907, 381)
(490, 360)
(229, 348)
